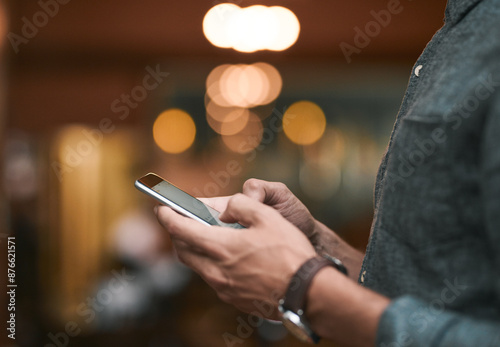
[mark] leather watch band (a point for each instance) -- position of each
(299, 284)
(292, 306)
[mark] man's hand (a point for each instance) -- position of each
(324, 240)
(278, 196)
(251, 268)
(244, 266)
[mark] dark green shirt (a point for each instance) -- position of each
(435, 241)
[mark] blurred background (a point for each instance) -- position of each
(94, 94)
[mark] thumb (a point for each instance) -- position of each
(245, 210)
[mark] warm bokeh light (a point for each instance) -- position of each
(215, 75)
(215, 24)
(304, 122)
(252, 28)
(321, 170)
(174, 131)
(274, 82)
(248, 138)
(244, 85)
(213, 85)
(217, 112)
(288, 27)
(227, 121)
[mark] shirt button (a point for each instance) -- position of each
(417, 70)
(363, 276)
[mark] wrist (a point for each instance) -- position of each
(343, 311)
(315, 310)
(326, 241)
(315, 236)
(293, 304)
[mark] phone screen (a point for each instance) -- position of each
(181, 199)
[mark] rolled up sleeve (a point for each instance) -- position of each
(412, 322)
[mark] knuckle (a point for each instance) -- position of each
(235, 199)
(217, 252)
(281, 186)
(225, 297)
(183, 259)
(219, 283)
(252, 184)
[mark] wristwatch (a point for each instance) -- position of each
(292, 306)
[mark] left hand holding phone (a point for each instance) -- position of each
(243, 266)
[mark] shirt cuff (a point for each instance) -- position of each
(408, 321)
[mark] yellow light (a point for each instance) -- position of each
(304, 122)
(215, 24)
(174, 131)
(252, 28)
(235, 121)
(248, 138)
(253, 85)
(274, 82)
(228, 121)
(215, 75)
(217, 112)
(214, 87)
(288, 29)
(230, 85)
(243, 85)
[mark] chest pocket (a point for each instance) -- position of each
(417, 199)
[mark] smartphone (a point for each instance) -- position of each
(180, 201)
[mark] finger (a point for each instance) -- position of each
(204, 266)
(269, 193)
(205, 239)
(255, 189)
(181, 247)
(189, 255)
(246, 210)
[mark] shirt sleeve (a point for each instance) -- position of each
(490, 180)
(412, 322)
(409, 321)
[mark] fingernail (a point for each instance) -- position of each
(155, 209)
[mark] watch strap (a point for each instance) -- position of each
(299, 284)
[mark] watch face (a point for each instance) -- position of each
(292, 322)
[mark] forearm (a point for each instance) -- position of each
(343, 311)
(327, 241)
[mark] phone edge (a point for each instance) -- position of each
(162, 199)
